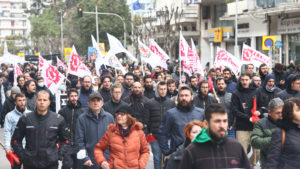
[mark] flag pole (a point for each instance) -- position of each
(179, 57)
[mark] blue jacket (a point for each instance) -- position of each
(173, 124)
(11, 120)
(231, 86)
(90, 130)
(84, 97)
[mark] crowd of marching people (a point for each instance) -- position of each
(213, 121)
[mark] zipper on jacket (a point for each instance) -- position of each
(71, 127)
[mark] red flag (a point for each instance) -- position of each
(255, 118)
(59, 63)
(150, 138)
(76, 66)
(11, 157)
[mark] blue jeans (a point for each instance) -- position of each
(157, 154)
(231, 133)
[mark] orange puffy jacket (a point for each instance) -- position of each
(129, 152)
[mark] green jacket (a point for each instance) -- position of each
(261, 137)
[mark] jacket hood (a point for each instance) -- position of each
(289, 83)
(203, 137)
(268, 77)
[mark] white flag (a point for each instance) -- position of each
(5, 50)
(197, 67)
(156, 49)
(117, 47)
(17, 72)
(76, 66)
(224, 58)
(186, 55)
(253, 56)
(52, 77)
(148, 56)
(100, 57)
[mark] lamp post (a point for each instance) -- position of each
(97, 28)
(236, 48)
(61, 34)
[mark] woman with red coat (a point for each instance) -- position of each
(126, 142)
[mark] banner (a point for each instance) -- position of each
(197, 67)
(148, 56)
(157, 50)
(117, 47)
(17, 72)
(59, 63)
(100, 57)
(226, 59)
(251, 55)
(76, 66)
(186, 55)
(115, 63)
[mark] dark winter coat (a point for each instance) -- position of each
(264, 96)
(176, 157)
(241, 104)
(70, 113)
(155, 110)
(169, 95)
(30, 101)
(231, 86)
(137, 104)
(84, 97)
(149, 92)
(105, 94)
(225, 100)
(42, 134)
(288, 157)
(111, 107)
(205, 153)
(173, 124)
(126, 92)
(9, 105)
(280, 76)
(201, 102)
(261, 137)
(288, 92)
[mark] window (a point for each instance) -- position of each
(24, 32)
(24, 23)
(220, 10)
(12, 32)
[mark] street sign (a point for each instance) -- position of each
(278, 44)
(20, 54)
(218, 37)
(91, 53)
(67, 53)
(268, 42)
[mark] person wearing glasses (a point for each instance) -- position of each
(257, 80)
(203, 99)
(85, 91)
(115, 102)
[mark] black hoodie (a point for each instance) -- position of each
(241, 104)
(288, 92)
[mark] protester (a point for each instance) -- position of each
(172, 91)
(41, 86)
(191, 129)
(203, 99)
(126, 142)
(105, 90)
(293, 88)
(280, 76)
(175, 119)
(30, 94)
(262, 130)
(11, 121)
(250, 69)
(194, 85)
(231, 85)
(70, 113)
(115, 102)
(211, 148)
(21, 83)
(283, 151)
(263, 72)
(85, 91)
(256, 80)
(148, 85)
(42, 129)
(155, 110)
(129, 79)
(90, 128)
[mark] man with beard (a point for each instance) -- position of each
(155, 110)
(242, 104)
(175, 119)
(137, 101)
(105, 91)
(30, 94)
(256, 80)
(176, 74)
(211, 78)
(85, 91)
(224, 98)
(293, 88)
(203, 99)
(280, 76)
(172, 91)
(70, 113)
(115, 102)
(194, 85)
(218, 72)
(129, 79)
(263, 72)
(211, 148)
(231, 85)
(148, 85)
(11, 120)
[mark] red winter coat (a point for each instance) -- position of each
(130, 152)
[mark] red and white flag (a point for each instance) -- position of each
(59, 63)
(76, 66)
(226, 59)
(186, 55)
(157, 50)
(251, 55)
(42, 62)
(197, 67)
(148, 56)
(17, 72)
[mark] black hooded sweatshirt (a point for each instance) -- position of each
(288, 92)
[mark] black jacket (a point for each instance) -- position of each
(241, 105)
(288, 92)
(70, 113)
(41, 133)
(169, 95)
(280, 76)
(288, 157)
(211, 155)
(149, 92)
(155, 110)
(137, 104)
(105, 94)
(9, 105)
(201, 102)
(30, 101)
(176, 157)
(126, 92)
(111, 107)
